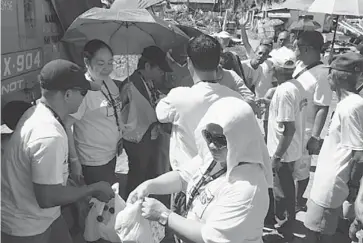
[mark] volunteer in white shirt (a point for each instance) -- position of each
(340, 163)
(252, 69)
(34, 168)
(226, 184)
(310, 72)
(267, 79)
(285, 134)
(184, 106)
(97, 125)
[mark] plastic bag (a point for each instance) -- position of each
(100, 222)
(132, 227)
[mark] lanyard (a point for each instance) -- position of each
(110, 99)
(151, 88)
(56, 116)
(307, 68)
(206, 178)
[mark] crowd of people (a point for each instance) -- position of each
(233, 148)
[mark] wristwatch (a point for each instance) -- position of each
(163, 220)
(276, 157)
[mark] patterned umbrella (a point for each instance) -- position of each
(126, 31)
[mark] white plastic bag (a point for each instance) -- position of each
(100, 222)
(131, 227)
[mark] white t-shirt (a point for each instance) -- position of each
(231, 210)
(333, 167)
(266, 81)
(315, 83)
(287, 105)
(184, 107)
(96, 133)
(36, 153)
(253, 76)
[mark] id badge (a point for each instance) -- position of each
(120, 146)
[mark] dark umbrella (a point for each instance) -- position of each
(190, 31)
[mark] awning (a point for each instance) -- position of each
(275, 15)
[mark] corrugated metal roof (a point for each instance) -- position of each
(194, 1)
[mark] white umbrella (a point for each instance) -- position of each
(337, 7)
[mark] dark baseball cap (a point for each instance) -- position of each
(311, 38)
(348, 62)
(61, 74)
(157, 56)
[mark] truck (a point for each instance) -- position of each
(31, 36)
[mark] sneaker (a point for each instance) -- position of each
(300, 208)
(280, 222)
(269, 224)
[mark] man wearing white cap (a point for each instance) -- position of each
(285, 135)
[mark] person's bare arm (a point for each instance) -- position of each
(76, 167)
(357, 167)
(320, 118)
(359, 203)
(313, 144)
(58, 195)
(188, 230)
(270, 93)
(71, 146)
(285, 141)
(165, 184)
(246, 43)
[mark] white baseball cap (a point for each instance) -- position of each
(284, 58)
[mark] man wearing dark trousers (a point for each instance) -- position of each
(146, 157)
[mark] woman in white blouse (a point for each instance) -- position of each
(226, 184)
(98, 125)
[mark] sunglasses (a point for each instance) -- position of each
(219, 141)
(83, 92)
